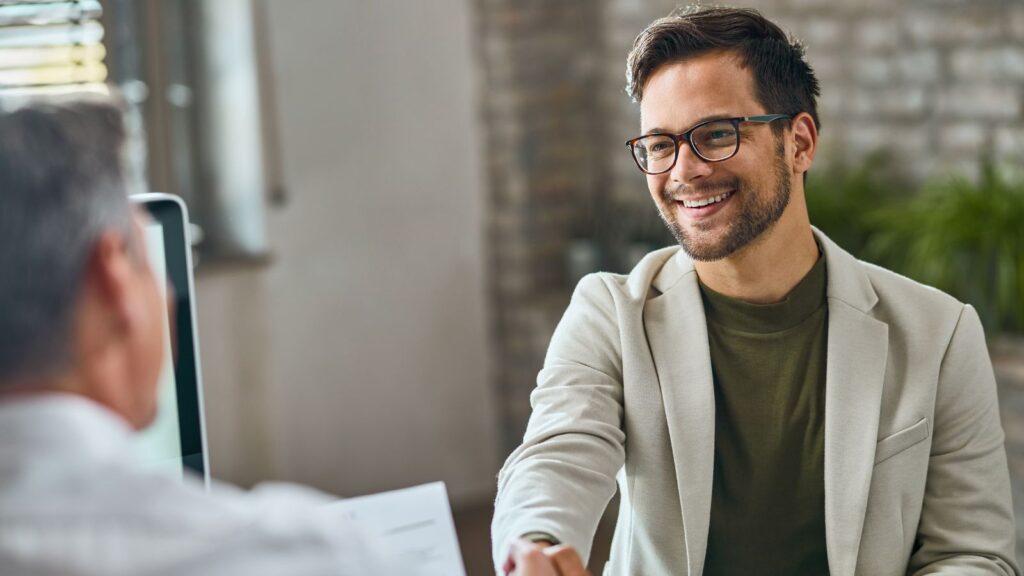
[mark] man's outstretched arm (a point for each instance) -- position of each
(559, 481)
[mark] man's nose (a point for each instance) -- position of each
(689, 167)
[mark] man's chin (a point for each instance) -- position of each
(701, 245)
(701, 248)
(706, 253)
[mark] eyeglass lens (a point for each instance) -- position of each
(713, 141)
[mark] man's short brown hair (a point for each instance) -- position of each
(783, 81)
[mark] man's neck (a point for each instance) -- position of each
(766, 270)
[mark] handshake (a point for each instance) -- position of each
(526, 558)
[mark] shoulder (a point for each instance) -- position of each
(906, 301)
(908, 307)
(655, 273)
(607, 308)
(920, 320)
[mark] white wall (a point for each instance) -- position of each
(358, 360)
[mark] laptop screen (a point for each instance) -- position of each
(160, 443)
(175, 441)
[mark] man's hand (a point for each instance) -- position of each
(527, 558)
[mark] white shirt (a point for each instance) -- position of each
(74, 501)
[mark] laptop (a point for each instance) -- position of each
(175, 443)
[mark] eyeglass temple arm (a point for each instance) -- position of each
(766, 118)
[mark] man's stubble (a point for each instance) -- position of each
(757, 214)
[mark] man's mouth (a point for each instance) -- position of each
(706, 201)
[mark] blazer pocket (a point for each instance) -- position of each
(893, 444)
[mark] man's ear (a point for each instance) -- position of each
(109, 274)
(805, 139)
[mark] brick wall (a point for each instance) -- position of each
(942, 78)
(540, 64)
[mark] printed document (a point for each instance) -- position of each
(414, 523)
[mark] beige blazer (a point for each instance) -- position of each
(916, 478)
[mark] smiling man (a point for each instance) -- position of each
(767, 403)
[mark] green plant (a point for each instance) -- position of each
(961, 236)
(841, 197)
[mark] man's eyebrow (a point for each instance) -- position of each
(658, 129)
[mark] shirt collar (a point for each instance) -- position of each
(59, 423)
(806, 298)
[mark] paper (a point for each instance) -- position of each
(414, 523)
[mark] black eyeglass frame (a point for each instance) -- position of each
(685, 136)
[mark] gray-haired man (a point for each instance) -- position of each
(81, 347)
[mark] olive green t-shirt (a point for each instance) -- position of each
(768, 496)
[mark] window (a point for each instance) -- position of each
(207, 139)
(209, 134)
(51, 46)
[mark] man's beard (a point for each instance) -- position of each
(756, 214)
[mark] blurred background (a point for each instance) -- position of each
(393, 200)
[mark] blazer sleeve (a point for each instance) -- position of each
(560, 480)
(967, 524)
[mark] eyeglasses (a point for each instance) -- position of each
(712, 141)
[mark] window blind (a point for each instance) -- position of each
(48, 46)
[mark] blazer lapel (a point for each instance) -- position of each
(854, 376)
(677, 335)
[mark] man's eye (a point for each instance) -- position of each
(660, 147)
(720, 134)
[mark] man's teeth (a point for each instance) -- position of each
(706, 201)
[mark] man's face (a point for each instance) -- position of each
(755, 182)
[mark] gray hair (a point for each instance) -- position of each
(63, 181)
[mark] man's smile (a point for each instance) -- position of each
(698, 203)
(703, 207)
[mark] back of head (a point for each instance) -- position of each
(783, 81)
(62, 182)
